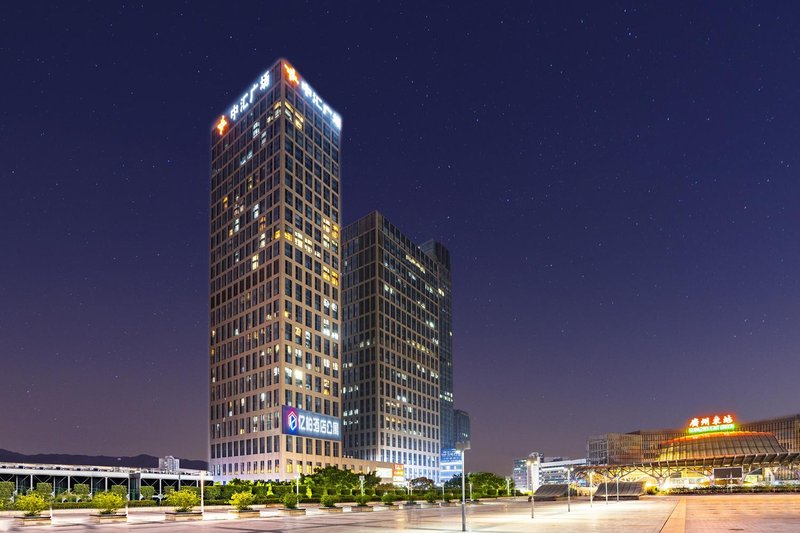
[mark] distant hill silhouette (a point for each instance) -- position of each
(138, 461)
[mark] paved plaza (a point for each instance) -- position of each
(693, 514)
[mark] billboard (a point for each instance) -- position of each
(307, 424)
(398, 473)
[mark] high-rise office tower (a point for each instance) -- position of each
(274, 281)
(391, 338)
(445, 288)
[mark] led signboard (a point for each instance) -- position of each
(710, 424)
(307, 424)
(249, 96)
(398, 473)
(254, 91)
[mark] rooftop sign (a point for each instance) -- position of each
(711, 424)
(254, 91)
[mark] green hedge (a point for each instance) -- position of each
(89, 505)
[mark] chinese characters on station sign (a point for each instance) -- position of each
(708, 424)
(307, 424)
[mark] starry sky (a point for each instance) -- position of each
(616, 181)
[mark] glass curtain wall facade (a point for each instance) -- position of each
(462, 431)
(274, 281)
(391, 406)
(444, 288)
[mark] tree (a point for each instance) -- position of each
(120, 490)
(32, 504)
(147, 492)
(45, 490)
(81, 490)
(453, 483)
(108, 502)
(6, 493)
(183, 500)
(330, 477)
(484, 481)
(422, 483)
(242, 500)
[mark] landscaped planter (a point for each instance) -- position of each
(410, 506)
(361, 509)
(446, 504)
(34, 520)
(331, 509)
(392, 507)
(109, 518)
(427, 505)
(246, 513)
(183, 516)
(292, 512)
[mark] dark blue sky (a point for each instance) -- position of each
(617, 183)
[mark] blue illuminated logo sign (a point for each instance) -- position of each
(307, 424)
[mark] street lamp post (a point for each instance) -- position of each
(463, 447)
(297, 485)
(470, 492)
(617, 480)
(591, 486)
(202, 492)
(569, 492)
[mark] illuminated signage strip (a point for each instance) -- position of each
(309, 93)
(307, 424)
(249, 96)
(711, 429)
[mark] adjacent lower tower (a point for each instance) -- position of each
(392, 327)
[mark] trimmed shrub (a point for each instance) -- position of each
(362, 501)
(32, 504)
(6, 493)
(243, 501)
(430, 497)
(147, 492)
(290, 500)
(183, 500)
(211, 492)
(387, 498)
(328, 501)
(108, 502)
(142, 503)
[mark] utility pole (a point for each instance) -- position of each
(463, 447)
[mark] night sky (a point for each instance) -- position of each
(617, 184)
